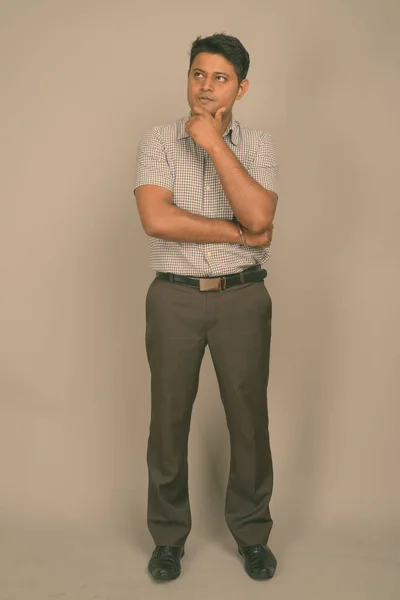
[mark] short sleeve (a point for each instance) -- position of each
(152, 166)
(265, 166)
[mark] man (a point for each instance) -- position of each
(205, 189)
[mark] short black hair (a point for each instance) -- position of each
(226, 45)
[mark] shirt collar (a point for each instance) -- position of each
(232, 130)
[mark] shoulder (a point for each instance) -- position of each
(254, 136)
(257, 143)
(164, 134)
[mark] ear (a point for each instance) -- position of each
(243, 87)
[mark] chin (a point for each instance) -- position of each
(212, 109)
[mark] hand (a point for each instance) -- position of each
(205, 129)
(258, 239)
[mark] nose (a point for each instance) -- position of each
(208, 85)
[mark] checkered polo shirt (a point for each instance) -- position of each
(168, 157)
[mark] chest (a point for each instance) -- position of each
(197, 186)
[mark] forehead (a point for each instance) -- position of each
(213, 63)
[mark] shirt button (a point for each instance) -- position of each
(208, 188)
(208, 253)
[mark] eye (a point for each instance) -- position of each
(221, 78)
(198, 74)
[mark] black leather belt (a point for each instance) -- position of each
(211, 284)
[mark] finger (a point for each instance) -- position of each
(191, 119)
(219, 114)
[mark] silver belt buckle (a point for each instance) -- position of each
(212, 284)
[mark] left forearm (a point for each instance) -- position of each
(253, 206)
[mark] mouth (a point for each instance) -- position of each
(205, 99)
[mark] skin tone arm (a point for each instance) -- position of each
(253, 206)
(161, 219)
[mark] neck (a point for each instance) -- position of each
(226, 120)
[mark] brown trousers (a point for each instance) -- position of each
(236, 325)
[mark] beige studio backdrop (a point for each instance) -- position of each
(81, 81)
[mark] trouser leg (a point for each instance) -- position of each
(239, 341)
(175, 344)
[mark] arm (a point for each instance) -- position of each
(161, 219)
(252, 204)
(251, 195)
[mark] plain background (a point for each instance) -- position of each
(81, 81)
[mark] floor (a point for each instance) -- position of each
(38, 563)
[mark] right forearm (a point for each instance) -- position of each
(178, 225)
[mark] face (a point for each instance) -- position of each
(213, 84)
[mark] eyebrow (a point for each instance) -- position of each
(215, 72)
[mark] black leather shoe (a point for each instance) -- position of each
(259, 561)
(165, 562)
